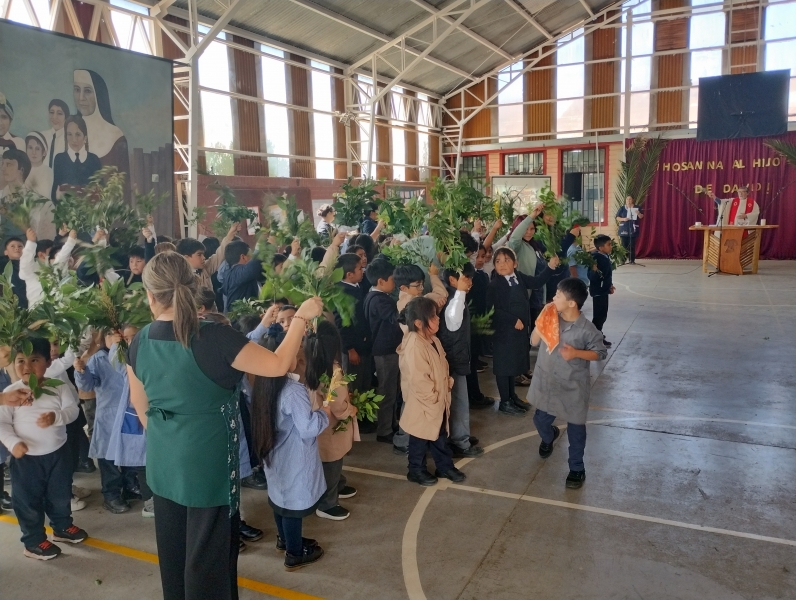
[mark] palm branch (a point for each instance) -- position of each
(786, 149)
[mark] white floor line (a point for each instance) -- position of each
(377, 473)
(624, 515)
(414, 587)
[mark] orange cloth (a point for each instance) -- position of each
(548, 327)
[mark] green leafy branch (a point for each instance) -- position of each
(46, 387)
(481, 324)
(350, 205)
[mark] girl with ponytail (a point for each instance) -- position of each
(285, 426)
(184, 376)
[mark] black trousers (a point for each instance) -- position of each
(600, 313)
(246, 417)
(42, 485)
(76, 440)
(473, 386)
(198, 551)
(289, 529)
(115, 480)
(629, 243)
(440, 452)
(146, 492)
(505, 385)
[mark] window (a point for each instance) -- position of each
(590, 164)
(19, 13)
(640, 69)
(781, 55)
(570, 85)
(510, 122)
(277, 135)
(216, 108)
(474, 168)
(323, 126)
(530, 163)
(399, 109)
(364, 127)
(132, 32)
(423, 137)
(706, 31)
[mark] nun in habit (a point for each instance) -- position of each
(40, 181)
(58, 113)
(107, 140)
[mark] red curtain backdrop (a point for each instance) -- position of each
(688, 166)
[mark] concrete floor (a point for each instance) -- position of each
(690, 491)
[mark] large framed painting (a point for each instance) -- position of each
(69, 107)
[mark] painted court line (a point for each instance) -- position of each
(624, 515)
(249, 584)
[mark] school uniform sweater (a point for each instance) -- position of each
(600, 281)
(355, 336)
(381, 313)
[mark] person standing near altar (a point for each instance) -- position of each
(628, 216)
(738, 210)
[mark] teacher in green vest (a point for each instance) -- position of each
(184, 376)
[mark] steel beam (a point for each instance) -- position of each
(530, 19)
(217, 27)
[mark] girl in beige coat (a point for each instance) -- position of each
(322, 351)
(426, 386)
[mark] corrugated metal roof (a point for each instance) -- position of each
(345, 31)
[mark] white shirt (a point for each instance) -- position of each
(29, 268)
(18, 423)
(454, 313)
(18, 142)
(55, 145)
(82, 153)
(513, 277)
(40, 180)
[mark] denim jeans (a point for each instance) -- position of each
(575, 432)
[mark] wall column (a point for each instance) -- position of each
(299, 122)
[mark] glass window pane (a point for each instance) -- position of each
(42, 10)
(131, 6)
(214, 67)
(640, 69)
(324, 169)
(398, 140)
(216, 120)
(707, 30)
(273, 73)
(474, 169)
(591, 164)
(422, 154)
(571, 51)
(779, 21)
(782, 55)
(569, 118)
(704, 63)
(277, 140)
(19, 13)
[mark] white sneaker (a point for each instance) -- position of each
(80, 492)
(148, 512)
(77, 504)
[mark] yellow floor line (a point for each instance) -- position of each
(250, 584)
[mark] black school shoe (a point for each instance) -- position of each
(367, 427)
(400, 451)
(575, 479)
(546, 450)
(483, 402)
(508, 408)
(305, 542)
(471, 452)
(521, 404)
(5, 501)
(385, 439)
(86, 467)
(454, 474)
(424, 478)
(347, 492)
(336, 513)
(309, 555)
(116, 506)
(73, 535)
(249, 533)
(255, 481)
(44, 551)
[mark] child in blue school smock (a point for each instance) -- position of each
(286, 429)
(100, 376)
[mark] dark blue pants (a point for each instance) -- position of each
(442, 455)
(289, 529)
(42, 485)
(575, 433)
(115, 479)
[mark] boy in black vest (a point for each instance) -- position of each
(454, 333)
(477, 297)
(356, 358)
(601, 282)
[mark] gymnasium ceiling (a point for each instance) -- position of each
(346, 31)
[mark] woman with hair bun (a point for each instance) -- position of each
(325, 228)
(184, 376)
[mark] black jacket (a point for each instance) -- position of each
(356, 335)
(600, 281)
(368, 225)
(381, 313)
(456, 343)
(242, 282)
(477, 293)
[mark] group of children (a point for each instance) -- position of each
(411, 332)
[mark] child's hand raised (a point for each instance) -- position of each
(30, 234)
(46, 420)
(567, 352)
(518, 325)
(19, 450)
(554, 262)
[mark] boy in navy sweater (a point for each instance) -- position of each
(356, 358)
(601, 282)
(381, 313)
(244, 276)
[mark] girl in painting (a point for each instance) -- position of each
(77, 164)
(54, 136)
(107, 140)
(40, 180)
